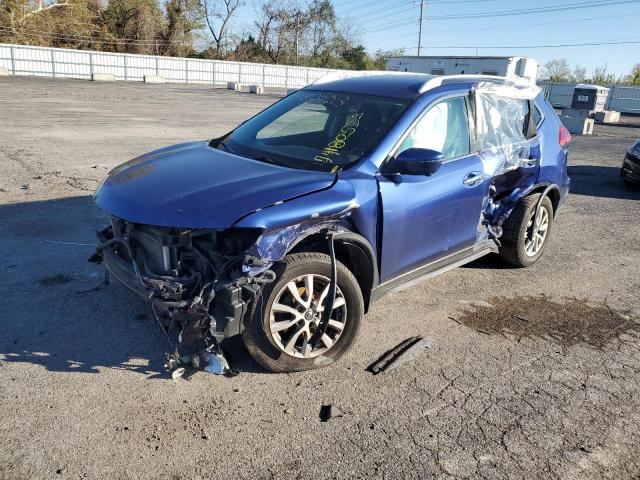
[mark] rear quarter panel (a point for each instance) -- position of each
(553, 163)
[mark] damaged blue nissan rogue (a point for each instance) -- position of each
(287, 229)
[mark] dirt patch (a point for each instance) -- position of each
(569, 323)
(59, 279)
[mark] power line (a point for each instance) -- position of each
(556, 8)
(521, 25)
(529, 11)
(359, 6)
(432, 3)
(384, 10)
(558, 45)
(90, 38)
(94, 38)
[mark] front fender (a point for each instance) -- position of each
(338, 199)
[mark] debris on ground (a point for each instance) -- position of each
(215, 363)
(328, 412)
(178, 373)
(569, 323)
(399, 355)
(59, 279)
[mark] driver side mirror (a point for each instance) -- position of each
(418, 161)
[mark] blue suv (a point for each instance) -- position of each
(288, 228)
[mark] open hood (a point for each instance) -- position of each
(192, 185)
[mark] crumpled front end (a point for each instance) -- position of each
(199, 282)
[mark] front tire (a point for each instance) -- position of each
(279, 325)
(522, 240)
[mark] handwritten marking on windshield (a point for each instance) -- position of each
(333, 148)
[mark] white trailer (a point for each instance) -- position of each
(502, 66)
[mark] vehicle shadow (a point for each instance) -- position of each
(56, 311)
(600, 181)
(489, 262)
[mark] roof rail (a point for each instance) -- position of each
(341, 74)
(512, 80)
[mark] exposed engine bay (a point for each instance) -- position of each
(199, 282)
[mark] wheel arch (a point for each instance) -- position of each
(552, 191)
(353, 251)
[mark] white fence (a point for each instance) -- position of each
(64, 63)
(622, 98)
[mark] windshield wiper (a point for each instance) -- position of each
(225, 146)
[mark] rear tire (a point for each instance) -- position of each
(267, 334)
(523, 243)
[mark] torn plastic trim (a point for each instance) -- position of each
(273, 245)
(500, 110)
(513, 87)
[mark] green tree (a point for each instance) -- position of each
(183, 18)
(601, 75)
(322, 25)
(634, 77)
(68, 23)
(135, 26)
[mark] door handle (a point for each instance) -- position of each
(530, 162)
(473, 179)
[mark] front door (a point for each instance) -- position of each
(428, 217)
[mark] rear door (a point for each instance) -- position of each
(508, 140)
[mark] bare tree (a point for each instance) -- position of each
(579, 74)
(557, 70)
(266, 17)
(41, 7)
(218, 17)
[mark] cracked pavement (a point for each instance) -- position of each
(83, 393)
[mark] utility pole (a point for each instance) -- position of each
(420, 30)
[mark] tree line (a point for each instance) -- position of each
(284, 32)
(559, 70)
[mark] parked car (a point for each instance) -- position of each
(287, 229)
(630, 171)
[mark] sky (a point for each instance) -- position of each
(391, 24)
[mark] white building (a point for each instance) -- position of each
(502, 66)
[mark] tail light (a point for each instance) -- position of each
(564, 137)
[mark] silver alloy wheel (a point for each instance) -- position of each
(296, 313)
(535, 235)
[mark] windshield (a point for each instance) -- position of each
(313, 130)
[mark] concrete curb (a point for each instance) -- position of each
(153, 79)
(103, 77)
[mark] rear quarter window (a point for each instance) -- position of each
(536, 115)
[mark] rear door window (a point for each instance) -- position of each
(502, 121)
